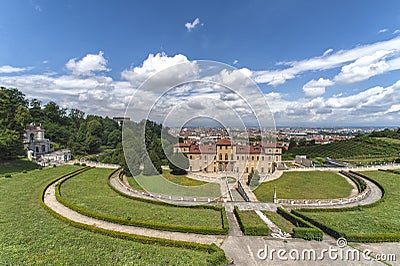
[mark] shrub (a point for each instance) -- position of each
(250, 229)
(54, 165)
(7, 176)
(308, 233)
(83, 164)
(304, 229)
(77, 164)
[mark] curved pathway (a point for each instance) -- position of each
(49, 198)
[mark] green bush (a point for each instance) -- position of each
(323, 227)
(77, 164)
(377, 237)
(250, 229)
(304, 229)
(7, 176)
(361, 185)
(308, 233)
(83, 164)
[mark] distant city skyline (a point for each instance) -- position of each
(317, 63)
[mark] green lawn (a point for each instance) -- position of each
(90, 190)
(31, 236)
(281, 222)
(177, 179)
(305, 185)
(182, 180)
(251, 223)
(382, 218)
(16, 166)
(178, 186)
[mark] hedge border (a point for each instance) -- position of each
(361, 185)
(355, 208)
(146, 224)
(225, 224)
(353, 237)
(250, 230)
(219, 257)
(304, 229)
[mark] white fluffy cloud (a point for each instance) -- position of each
(316, 88)
(189, 26)
(89, 64)
(6, 69)
(328, 61)
(156, 64)
(365, 67)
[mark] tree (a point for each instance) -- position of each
(152, 164)
(178, 164)
(114, 138)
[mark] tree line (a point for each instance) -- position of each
(83, 134)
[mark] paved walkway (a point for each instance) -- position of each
(245, 251)
(51, 201)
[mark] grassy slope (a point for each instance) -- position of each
(178, 186)
(17, 165)
(91, 191)
(305, 185)
(354, 150)
(30, 235)
(281, 222)
(383, 218)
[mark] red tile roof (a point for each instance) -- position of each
(224, 142)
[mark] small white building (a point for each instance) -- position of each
(39, 149)
(35, 142)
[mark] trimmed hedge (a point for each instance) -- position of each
(147, 224)
(308, 233)
(262, 230)
(374, 237)
(316, 224)
(304, 229)
(218, 257)
(361, 185)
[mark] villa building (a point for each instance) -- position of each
(39, 149)
(223, 155)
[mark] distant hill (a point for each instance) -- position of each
(360, 149)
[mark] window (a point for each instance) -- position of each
(252, 169)
(190, 157)
(232, 157)
(43, 148)
(252, 158)
(226, 147)
(242, 158)
(200, 157)
(247, 169)
(258, 158)
(37, 149)
(262, 169)
(220, 156)
(226, 156)
(237, 157)
(262, 158)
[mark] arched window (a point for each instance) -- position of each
(32, 136)
(220, 156)
(43, 148)
(226, 157)
(232, 157)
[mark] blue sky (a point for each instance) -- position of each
(319, 63)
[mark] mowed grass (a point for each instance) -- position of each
(382, 218)
(31, 236)
(16, 166)
(279, 221)
(305, 185)
(177, 179)
(178, 186)
(90, 190)
(182, 180)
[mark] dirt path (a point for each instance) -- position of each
(51, 201)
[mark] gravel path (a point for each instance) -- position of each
(51, 201)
